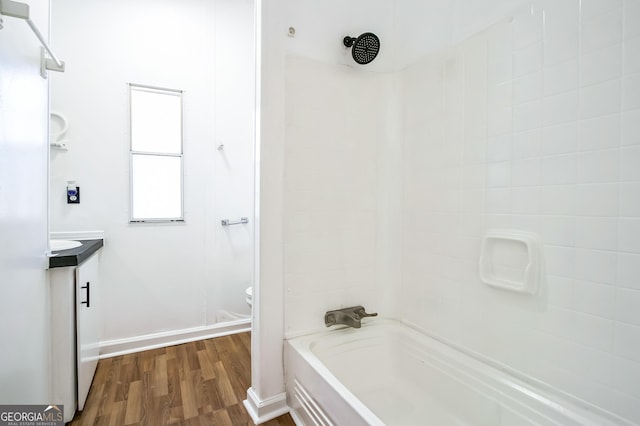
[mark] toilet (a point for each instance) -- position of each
(249, 298)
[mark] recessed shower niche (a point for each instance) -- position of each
(511, 260)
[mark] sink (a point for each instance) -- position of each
(63, 244)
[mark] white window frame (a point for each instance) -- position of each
(132, 153)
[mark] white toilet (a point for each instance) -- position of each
(249, 298)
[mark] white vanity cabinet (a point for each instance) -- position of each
(75, 332)
(88, 325)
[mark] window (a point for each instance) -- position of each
(156, 154)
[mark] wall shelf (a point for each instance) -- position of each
(511, 260)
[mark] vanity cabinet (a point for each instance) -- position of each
(88, 325)
(75, 331)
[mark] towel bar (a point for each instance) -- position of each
(227, 222)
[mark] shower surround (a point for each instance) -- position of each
(530, 126)
(474, 116)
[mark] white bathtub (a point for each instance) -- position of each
(389, 374)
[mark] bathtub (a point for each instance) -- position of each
(387, 373)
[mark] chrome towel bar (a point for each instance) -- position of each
(227, 222)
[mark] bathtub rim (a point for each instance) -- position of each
(328, 378)
(582, 405)
(555, 401)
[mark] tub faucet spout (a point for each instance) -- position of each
(347, 316)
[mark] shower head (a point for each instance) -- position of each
(365, 48)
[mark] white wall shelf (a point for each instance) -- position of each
(511, 260)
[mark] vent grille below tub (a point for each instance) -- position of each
(315, 413)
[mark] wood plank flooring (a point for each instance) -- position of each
(199, 383)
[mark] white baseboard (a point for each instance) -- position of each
(266, 409)
(116, 347)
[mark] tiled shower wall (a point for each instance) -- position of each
(532, 125)
(336, 123)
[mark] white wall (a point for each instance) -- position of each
(312, 84)
(320, 28)
(339, 124)
(265, 398)
(166, 277)
(24, 305)
(334, 129)
(532, 125)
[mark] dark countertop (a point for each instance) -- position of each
(74, 256)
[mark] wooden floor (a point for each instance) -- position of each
(199, 383)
